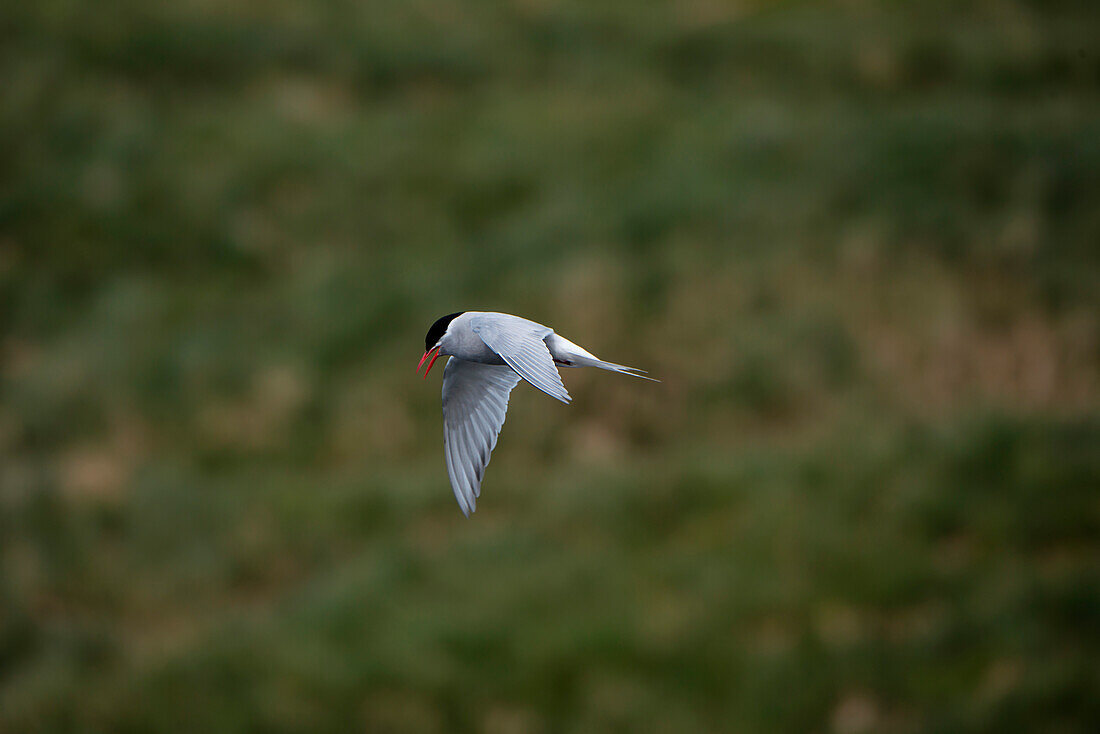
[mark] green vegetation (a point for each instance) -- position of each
(859, 242)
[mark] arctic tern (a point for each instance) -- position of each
(489, 354)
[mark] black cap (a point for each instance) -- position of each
(438, 329)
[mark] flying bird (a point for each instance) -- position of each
(489, 354)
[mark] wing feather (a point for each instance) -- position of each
(475, 402)
(522, 346)
(456, 485)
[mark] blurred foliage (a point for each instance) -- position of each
(858, 242)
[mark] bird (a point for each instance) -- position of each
(490, 353)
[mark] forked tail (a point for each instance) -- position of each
(568, 354)
(622, 369)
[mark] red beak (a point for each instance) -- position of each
(433, 356)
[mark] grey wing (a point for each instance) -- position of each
(521, 344)
(475, 400)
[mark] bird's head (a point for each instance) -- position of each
(434, 338)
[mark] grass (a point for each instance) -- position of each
(855, 241)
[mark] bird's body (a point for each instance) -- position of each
(463, 342)
(490, 353)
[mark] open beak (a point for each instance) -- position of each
(434, 353)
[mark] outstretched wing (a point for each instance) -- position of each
(521, 344)
(475, 400)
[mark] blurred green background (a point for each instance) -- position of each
(858, 241)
